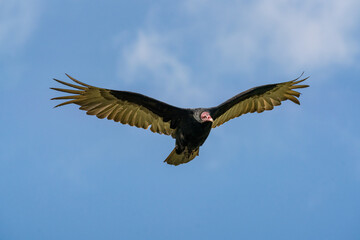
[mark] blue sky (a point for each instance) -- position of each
(289, 173)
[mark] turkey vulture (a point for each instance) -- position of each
(190, 127)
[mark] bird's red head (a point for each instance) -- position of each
(205, 117)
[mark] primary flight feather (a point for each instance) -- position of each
(190, 127)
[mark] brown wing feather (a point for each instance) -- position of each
(123, 107)
(257, 99)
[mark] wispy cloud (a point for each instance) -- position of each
(148, 60)
(284, 33)
(17, 21)
(244, 36)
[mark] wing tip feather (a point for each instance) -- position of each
(77, 81)
(297, 81)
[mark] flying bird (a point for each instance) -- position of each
(188, 126)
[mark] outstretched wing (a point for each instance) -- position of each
(256, 99)
(125, 107)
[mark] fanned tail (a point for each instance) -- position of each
(184, 157)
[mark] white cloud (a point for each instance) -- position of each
(148, 60)
(17, 21)
(284, 33)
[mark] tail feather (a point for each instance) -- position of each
(184, 157)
